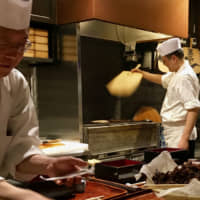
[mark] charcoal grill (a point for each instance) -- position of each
(120, 139)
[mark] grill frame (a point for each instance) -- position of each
(120, 137)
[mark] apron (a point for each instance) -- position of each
(173, 133)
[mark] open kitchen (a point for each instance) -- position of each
(92, 68)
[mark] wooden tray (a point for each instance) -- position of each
(149, 196)
(131, 192)
(94, 189)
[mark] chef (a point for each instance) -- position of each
(20, 156)
(180, 108)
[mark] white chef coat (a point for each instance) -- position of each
(182, 94)
(18, 124)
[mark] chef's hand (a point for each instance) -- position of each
(61, 166)
(183, 144)
(136, 70)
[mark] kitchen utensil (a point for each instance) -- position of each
(125, 83)
(83, 171)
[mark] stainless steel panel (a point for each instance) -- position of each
(121, 137)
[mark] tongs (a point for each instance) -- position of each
(81, 172)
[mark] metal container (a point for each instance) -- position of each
(119, 137)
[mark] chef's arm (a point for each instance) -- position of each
(155, 78)
(50, 166)
(34, 164)
(191, 119)
(8, 191)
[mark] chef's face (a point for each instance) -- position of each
(171, 63)
(12, 46)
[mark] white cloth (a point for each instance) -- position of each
(18, 124)
(15, 14)
(169, 46)
(182, 94)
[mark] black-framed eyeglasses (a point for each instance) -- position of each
(26, 46)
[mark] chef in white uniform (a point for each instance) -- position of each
(19, 153)
(180, 108)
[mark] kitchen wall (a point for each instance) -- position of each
(58, 89)
(69, 93)
(58, 100)
(103, 47)
(56, 97)
(148, 94)
(101, 60)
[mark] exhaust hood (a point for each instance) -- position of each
(162, 16)
(126, 35)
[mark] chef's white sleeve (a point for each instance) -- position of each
(23, 126)
(165, 79)
(188, 92)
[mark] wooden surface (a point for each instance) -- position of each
(95, 189)
(150, 196)
(44, 11)
(69, 11)
(124, 84)
(164, 16)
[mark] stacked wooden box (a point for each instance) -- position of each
(39, 47)
(69, 48)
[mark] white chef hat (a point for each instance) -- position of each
(169, 46)
(15, 14)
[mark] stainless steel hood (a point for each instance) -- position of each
(125, 35)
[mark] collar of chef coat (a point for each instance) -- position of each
(186, 63)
